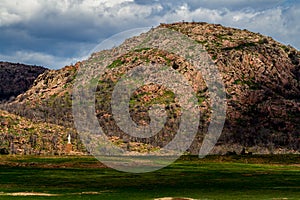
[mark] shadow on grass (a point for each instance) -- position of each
(215, 177)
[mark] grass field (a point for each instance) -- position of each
(215, 177)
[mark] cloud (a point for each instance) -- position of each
(37, 58)
(279, 22)
(235, 4)
(20, 11)
(67, 29)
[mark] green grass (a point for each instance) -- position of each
(215, 177)
(115, 63)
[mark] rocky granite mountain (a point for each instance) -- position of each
(17, 78)
(261, 77)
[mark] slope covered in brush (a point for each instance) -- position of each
(261, 76)
(16, 78)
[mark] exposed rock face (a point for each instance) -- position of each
(261, 76)
(262, 82)
(17, 78)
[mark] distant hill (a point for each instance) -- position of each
(17, 78)
(261, 76)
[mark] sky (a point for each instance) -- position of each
(55, 33)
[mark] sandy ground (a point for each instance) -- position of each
(28, 194)
(43, 194)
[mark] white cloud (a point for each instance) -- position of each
(14, 11)
(8, 18)
(37, 58)
(236, 4)
(278, 22)
(110, 3)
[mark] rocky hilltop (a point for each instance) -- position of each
(17, 78)
(261, 77)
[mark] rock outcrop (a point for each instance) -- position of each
(261, 77)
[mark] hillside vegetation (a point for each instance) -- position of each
(17, 78)
(261, 77)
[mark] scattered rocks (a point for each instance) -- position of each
(261, 77)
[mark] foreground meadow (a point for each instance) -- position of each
(271, 177)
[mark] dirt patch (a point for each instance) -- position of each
(45, 194)
(51, 166)
(29, 194)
